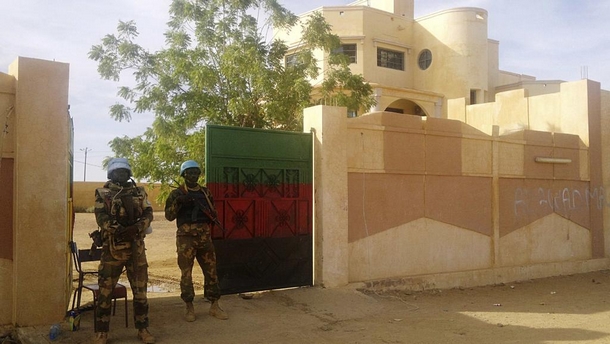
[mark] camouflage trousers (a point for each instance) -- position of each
(110, 270)
(197, 245)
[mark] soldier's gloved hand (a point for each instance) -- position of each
(128, 233)
(184, 199)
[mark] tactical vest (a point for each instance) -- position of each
(125, 204)
(194, 212)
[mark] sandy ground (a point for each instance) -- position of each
(566, 309)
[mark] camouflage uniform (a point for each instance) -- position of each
(194, 240)
(117, 207)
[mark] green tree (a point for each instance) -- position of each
(217, 67)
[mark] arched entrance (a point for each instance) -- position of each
(405, 106)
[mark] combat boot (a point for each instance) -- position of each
(145, 336)
(190, 312)
(100, 338)
(218, 312)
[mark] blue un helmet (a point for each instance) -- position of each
(188, 164)
(116, 163)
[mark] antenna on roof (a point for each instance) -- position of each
(584, 72)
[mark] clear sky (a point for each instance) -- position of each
(548, 39)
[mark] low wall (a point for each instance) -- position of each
(437, 196)
(84, 195)
(439, 203)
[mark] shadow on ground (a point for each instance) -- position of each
(564, 309)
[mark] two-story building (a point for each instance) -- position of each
(416, 64)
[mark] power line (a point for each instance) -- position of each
(88, 164)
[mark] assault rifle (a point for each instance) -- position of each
(204, 209)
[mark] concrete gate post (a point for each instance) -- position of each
(329, 127)
(41, 259)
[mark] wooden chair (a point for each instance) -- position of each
(91, 255)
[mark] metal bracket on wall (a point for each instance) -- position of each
(549, 160)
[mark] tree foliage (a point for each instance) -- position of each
(217, 67)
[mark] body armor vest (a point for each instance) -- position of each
(195, 211)
(126, 205)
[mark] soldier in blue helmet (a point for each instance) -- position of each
(123, 213)
(192, 206)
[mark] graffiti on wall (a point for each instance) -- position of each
(562, 201)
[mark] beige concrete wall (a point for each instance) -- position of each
(403, 8)
(605, 153)
(84, 194)
(437, 196)
(6, 291)
(330, 198)
(550, 239)
(7, 120)
(423, 246)
(386, 31)
(40, 141)
(493, 65)
(532, 87)
(507, 78)
(369, 28)
(565, 111)
(404, 174)
(462, 52)
(471, 205)
(594, 125)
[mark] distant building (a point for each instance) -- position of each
(416, 64)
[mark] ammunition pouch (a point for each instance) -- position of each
(120, 250)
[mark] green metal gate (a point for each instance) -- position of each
(262, 186)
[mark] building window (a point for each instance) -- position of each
(425, 59)
(352, 113)
(390, 59)
(291, 59)
(473, 97)
(350, 50)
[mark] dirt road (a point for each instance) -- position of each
(566, 309)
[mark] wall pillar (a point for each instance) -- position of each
(605, 154)
(7, 109)
(329, 127)
(377, 92)
(596, 166)
(41, 283)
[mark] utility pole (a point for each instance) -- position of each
(85, 171)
